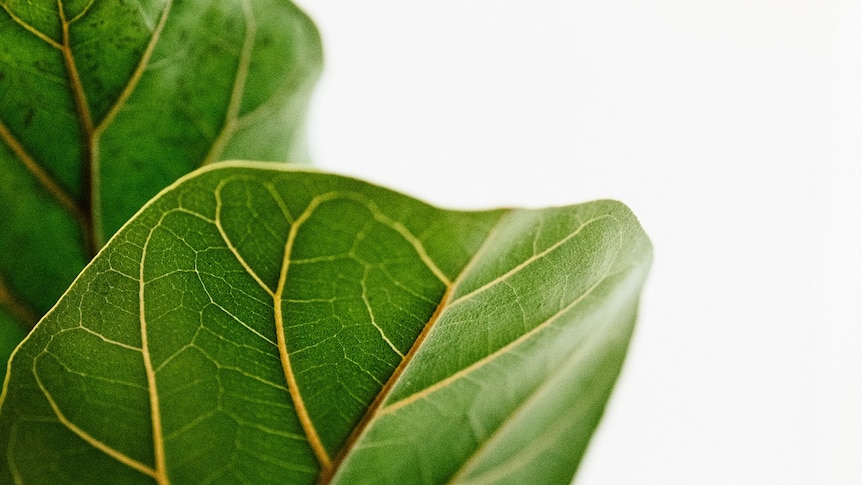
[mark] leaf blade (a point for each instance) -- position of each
(102, 104)
(427, 406)
(368, 301)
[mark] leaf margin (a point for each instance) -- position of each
(217, 166)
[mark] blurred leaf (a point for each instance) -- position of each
(255, 324)
(103, 104)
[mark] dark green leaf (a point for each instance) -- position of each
(262, 325)
(103, 104)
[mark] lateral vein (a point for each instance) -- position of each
(375, 409)
(233, 249)
(490, 357)
(501, 351)
(373, 320)
(507, 467)
(19, 310)
(42, 176)
(307, 424)
(526, 262)
(90, 166)
(83, 12)
(273, 104)
(413, 240)
(235, 103)
(29, 28)
(137, 74)
(92, 440)
(160, 475)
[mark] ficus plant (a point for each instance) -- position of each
(179, 318)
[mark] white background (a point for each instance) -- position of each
(732, 128)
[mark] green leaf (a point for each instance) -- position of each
(103, 104)
(256, 324)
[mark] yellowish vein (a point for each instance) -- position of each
(92, 190)
(413, 240)
(93, 441)
(372, 318)
(302, 413)
(29, 28)
(83, 12)
(539, 255)
(152, 385)
(130, 86)
(392, 407)
(229, 243)
(43, 177)
(373, 411)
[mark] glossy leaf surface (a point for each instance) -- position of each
(104, 103)
(262, 325)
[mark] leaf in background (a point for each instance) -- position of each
(263, 325)
(103, 104)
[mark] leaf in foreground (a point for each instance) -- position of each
(103, 104)
(263, 325)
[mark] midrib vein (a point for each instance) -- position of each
(88, 213)
(20, 310)
(92, 227)
(326, 475)
(375, 408)
(235, 102)
(326, 463)
(506, 348)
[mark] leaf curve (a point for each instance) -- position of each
(257, 324)
(103, 104)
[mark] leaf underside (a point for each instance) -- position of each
(255, 324)
(103, 104)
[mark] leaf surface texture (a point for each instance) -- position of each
(104, 103)
(255, 324)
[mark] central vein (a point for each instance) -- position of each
(90, 175)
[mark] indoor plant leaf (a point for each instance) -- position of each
(257, 324)
(103, 104)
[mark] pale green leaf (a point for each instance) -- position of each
(104, 103)
(255, 324)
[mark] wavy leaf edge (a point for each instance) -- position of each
(158, 472)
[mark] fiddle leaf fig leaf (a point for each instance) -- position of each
(103, 104)
(264, 324)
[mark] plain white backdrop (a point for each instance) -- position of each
(731, 127)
